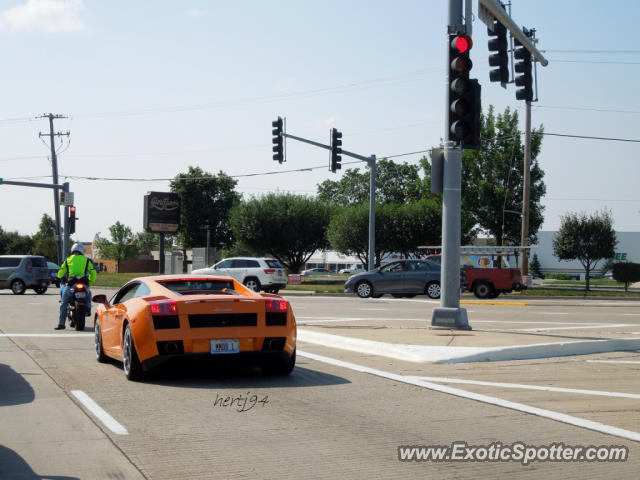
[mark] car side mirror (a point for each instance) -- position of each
(100, 298)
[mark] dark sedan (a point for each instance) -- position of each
(404, 278)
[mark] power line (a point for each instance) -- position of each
(591, 137)
(591, 109)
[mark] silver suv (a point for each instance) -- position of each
(255, 273)
(19, 272)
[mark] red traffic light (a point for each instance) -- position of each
(462, 43)
(72, 210)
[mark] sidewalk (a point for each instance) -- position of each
(46, 434)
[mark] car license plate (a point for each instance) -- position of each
(81, 294)
(225, 346)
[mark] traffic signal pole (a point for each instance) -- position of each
(449, 314)
(371, 161)
(526, 188)
(64, 250)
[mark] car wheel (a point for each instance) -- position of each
(364, 290)
(433, 290)
(280, 367)
(482, 290)
(252, 283)
(97, 339)
(40, 290)
(18, 287)
(130, 360)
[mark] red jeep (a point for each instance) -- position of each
(485, 281)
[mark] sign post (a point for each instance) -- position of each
(161, 215)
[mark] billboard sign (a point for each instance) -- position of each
(161, 212)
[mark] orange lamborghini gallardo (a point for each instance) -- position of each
(152, 319)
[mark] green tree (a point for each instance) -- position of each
(626, 272)
(585, 238)
(145, 242)
(206, 199)
(492, 179)
(120, 247)
(289, 227)
(44, 239)
(400, 228)
(395, 183)
(534, 266)
(12, 243)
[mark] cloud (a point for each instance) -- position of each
(51, 16)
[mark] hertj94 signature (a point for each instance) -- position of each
(241, 403)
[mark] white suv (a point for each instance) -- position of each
(255, 273)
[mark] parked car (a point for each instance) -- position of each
(20, 272)
(53, 273)
(255, 273)
(316, 271)
(151, 320)
(403, 278)
(358, 268)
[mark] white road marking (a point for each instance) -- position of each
(531, 387)
(546, 329)
(614, 361)
(100, 413)
(541, 412)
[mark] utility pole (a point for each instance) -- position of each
(54, 168)
(526, 180)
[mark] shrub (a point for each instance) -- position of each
(559, 276)
(626, 272)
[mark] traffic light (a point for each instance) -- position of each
(464, 94)
(523, 67)
(278, 140)
(500, 59)
(72, 219)
(336, 150)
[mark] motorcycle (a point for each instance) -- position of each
(78, 305)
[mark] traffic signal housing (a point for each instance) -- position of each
(500, 59)
(336, 150)
(464, 94)
(72, 219)
(522, 67)
(278, 140)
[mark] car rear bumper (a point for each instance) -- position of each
(257, 358)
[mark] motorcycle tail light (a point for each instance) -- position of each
(164, 307)
(79, 286)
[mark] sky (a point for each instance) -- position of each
(149, 88)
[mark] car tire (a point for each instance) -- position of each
(482, 290)
(100, 356)
(433, 290)
(40, 290)
(364, 289)
(252, 283)
(281, 367)
(18, 287)
(130, 361)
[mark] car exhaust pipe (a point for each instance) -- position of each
(171, 348)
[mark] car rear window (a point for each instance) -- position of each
(274, 263)
(200, 287)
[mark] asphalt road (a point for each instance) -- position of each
(340, 414)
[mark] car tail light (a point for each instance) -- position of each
(277, 305)
(28, 268)
(164, 307)
(269, 270)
